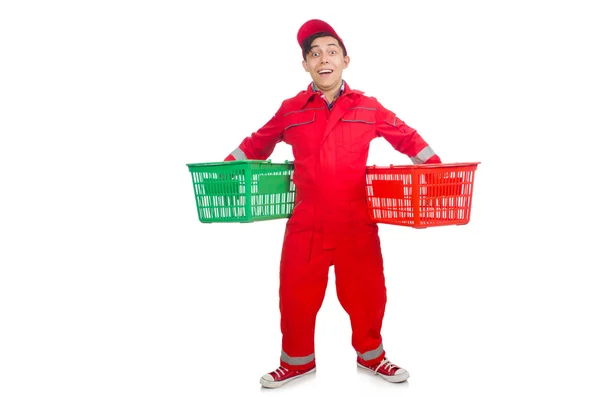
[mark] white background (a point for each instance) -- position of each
(110, 286)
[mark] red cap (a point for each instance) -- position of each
(317, 26)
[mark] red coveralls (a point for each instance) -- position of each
(330, 223)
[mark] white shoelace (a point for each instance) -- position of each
(282, 369)
(387, 363)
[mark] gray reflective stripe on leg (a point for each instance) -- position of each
(423, 155)
(238, 154)
(372, 354)
(297, 360)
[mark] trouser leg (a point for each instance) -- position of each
(303, 281)
(361, 290)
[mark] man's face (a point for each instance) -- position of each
(325, 63)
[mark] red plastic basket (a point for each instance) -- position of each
(422, 195)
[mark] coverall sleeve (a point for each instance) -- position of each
(403, 138)
(260, 144)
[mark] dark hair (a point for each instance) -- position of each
(306, 44)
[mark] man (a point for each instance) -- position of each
(329, 127)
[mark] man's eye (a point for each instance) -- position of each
(332, 52)
(315, 54)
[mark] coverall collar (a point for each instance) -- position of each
(310, 92)
(339, 94)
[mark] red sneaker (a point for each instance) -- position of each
(282, 375)
(387, 370)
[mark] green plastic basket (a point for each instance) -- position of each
(243, 190)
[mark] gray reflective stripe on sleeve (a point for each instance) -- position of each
(392, 124)
(423, 155)
(238, 154)
(370, 355)
(297, 360)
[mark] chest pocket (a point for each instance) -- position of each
(298, 128)
(300, 118)
(358, 128)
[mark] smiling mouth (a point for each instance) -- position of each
(325, 72)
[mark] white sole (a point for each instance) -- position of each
(397, 378)
(271, 384)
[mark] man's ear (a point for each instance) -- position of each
(305, 66)
(346, 61)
